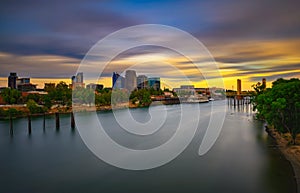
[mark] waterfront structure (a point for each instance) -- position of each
(203, 91)
(142, 82)
(185, 90)
(239, 87)
(95, 86)
(118, 81)
(12, 80)
(154, 83)
(130, 80)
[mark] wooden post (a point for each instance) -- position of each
(11, 130)
(57, 120)
(44, 122)
(29, 124)
(72, 120)
(234, 101)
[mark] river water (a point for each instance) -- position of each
(243, 159)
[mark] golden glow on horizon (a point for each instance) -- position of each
(249, 61)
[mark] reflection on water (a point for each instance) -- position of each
(242, 160)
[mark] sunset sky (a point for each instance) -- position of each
(249, 40)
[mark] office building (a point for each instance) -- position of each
(130, 80)
(79, 77)
(77, 81)
(154, 83)
(142, 82)
(118, 81)
(12, 80)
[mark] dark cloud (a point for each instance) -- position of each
(67, 28)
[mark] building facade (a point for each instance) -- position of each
(77, 81)
(118, 81)
(12, 80)
(142, 82)
(130, 80)
(154, 83)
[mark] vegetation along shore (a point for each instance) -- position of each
(279, 106)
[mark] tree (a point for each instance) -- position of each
(280, 106)
(34, 108)
(11, 96)
(143, 96)
(83, 95)
(47, 101)
(60, 94)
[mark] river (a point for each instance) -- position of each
(243, 159)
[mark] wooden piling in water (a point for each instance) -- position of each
(44, 122)
(11, 129)
(29, 124)
(57, 120)
(72, 120)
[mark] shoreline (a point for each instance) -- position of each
(75, 109)
(290, 152)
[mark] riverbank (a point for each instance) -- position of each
(291, 152)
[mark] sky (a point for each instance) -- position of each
(249, 40)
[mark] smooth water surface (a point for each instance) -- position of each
(243, 159)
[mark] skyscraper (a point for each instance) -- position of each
(154, 82)
(130, 80)
(12, 80)
(77, 81)
(79, 77)
(142, 81)
(239, 87)
(118, 81)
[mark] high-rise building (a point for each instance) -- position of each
(118, 81)
(77, 81)
(239, 87)
(154, 82)
(79, 77)
(130, 80)
(142, 82)
(12, 80)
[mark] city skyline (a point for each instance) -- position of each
(246, 47)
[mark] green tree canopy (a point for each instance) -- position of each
(11, 96)
(280, 106)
